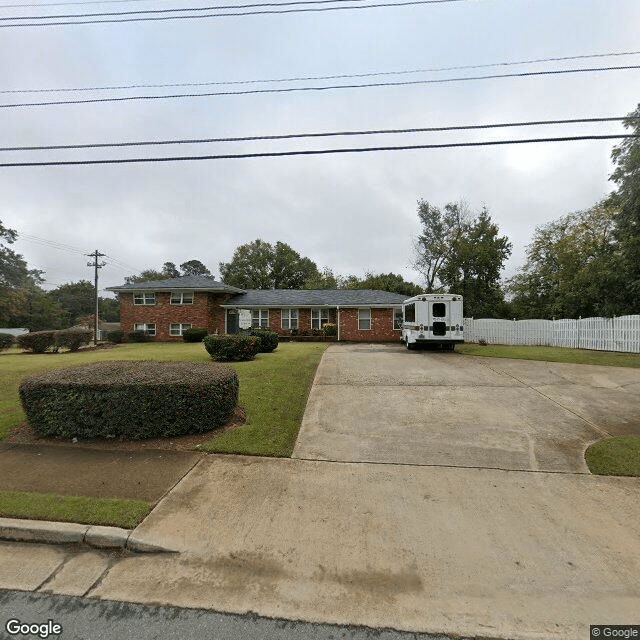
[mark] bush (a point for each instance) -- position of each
(6, 341)
(132, 400)
(194, 334)
(138, 336)
(268, 340)
(115, 337)
(73, 339)
(37, 341)
(232, 348)
(330, 330)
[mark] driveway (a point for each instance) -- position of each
(381, 403)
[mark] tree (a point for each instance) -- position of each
(260, 265)
(391, 282)
(626, 200)
(440, 230)
(571, 267)
(170, 270)
(76, 298)
(324, 279)
(472, 267)
(191, 268)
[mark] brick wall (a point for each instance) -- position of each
(204, 312)
(381, 326)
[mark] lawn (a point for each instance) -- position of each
(551, 354)
(618, 456)
(273, 389)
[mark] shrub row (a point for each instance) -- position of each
(133, 400)
(41, 341)
(115, 337)
(6, 341)
(227, 348)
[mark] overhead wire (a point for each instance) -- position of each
(323, 134)
(325, 77)
(523, 74)
(308, 152)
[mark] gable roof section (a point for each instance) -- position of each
(196, 283)
(315, 298)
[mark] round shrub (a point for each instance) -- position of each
(132, 400)
(6, 341)
(195, 334)
(115, 337)
(73, 339)
(138, 336)
(268, 340)
(330, 330)
(37, 341)
(232, 348)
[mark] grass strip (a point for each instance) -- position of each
(273, 389)
(551, 354)
(113, 512)
(619, 456)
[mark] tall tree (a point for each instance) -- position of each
(324, 279)
(260, 265)
(391, 282)
(169, 270)
(473, 266)
(626, 199)
(441, 228)
(76, 298)
(571, 268)
(192, 268)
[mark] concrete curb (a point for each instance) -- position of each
(15, 530)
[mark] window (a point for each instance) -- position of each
(149, 329)
(364, 319)
(319, 317)
(181, 297)
(397, 318)
(177, 329)
(289, 318)
(410, 312)
(260, 318)
(144, 297)
(439, 309)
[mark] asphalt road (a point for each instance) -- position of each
(84, 619)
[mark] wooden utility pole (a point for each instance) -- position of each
(96, 265)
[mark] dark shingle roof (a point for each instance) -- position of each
(315, 298)
(204, 283)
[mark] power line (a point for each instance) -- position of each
(321, 88)
(225, 15)
(330, 77)
(324, 134)
(61, 4)
(315, 151)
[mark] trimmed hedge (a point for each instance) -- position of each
(232, 348)
(37, 341)
(73, 339)
(130, 399)
(138, 336)
(195, 334)
(6, 341)
(268, 340)
(115, 337)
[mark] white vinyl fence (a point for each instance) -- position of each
(602, 334)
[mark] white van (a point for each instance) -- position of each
(433, 318)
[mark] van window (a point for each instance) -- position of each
(439, 310)
(410, 312)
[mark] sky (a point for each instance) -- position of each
(351, 212)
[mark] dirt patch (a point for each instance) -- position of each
(25, 434)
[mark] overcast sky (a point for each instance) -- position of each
(351, 212)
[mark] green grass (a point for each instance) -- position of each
(274, 390)
(618, 456)
(551, 354)
(112, 512)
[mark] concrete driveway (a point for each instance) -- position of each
(382, 403)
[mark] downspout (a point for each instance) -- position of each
(338, 307)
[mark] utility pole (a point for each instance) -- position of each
(96, 265)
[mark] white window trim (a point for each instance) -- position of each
(182, 327)
(317, 316)
(144, 326)
(286, 314)
(181, 295)
(263, 314)
(370, 319)
(146, 296)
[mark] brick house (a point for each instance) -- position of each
(165, 308)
